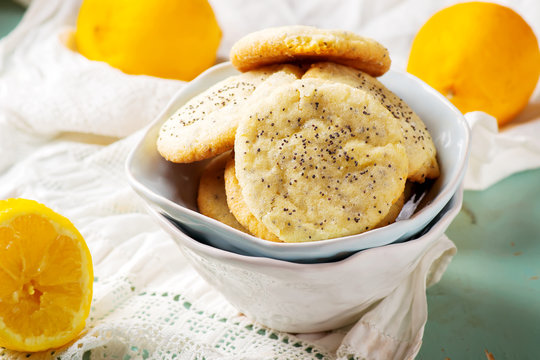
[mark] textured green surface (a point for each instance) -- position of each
(10, 15)
(489, 298)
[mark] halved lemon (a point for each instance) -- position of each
(46, 277)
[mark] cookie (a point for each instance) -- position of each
(211, 198)
(396, 208)
(239, 208)
(393, 213)
(291, 44)
(318, 160)
(421, 151)
(205, 126)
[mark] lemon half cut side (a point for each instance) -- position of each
(46, 277)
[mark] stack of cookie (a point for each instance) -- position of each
(306, 143)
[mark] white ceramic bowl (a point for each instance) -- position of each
(294, 297)
(172, 188)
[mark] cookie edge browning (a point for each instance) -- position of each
(206, 201)
(238, 207)
(203, 152)
(290, 44)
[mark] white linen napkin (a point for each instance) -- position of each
(67, 124)
(497, 154)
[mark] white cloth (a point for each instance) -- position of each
(497, 154)
(67, 124)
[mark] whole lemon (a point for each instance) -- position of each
(481, 56)
(175, 39)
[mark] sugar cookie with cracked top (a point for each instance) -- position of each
(239, 208)
(205, 126)
(211, 197)
(317, 160)
(421, 150)
(291, 44)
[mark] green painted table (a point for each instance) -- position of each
(489, 298)
(10, 15)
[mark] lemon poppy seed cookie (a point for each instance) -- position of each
(205, 126)
(238, 207)
(396, 208)
(317, 160)
(211, 198)
(393, 213)
(421, 151)
(291, 44)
